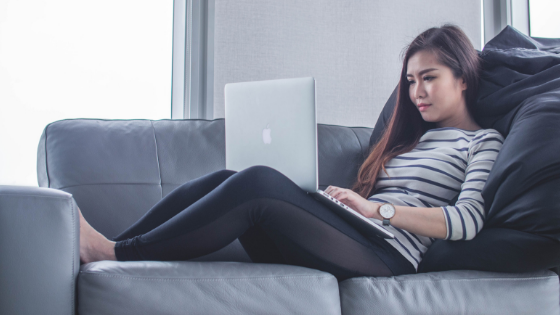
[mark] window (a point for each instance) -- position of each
(543, 18)
(64, 59)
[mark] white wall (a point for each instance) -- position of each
(78, 59)
(351, 47)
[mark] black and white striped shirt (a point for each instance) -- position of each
(446, 162)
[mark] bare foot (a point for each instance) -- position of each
(93, 245)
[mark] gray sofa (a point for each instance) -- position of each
(115, 170)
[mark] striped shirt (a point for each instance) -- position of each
(446, 162)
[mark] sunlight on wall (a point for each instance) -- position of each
(78, 59)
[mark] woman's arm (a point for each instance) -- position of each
(428, 222)
(461, 221)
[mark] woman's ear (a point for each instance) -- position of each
(463, 83)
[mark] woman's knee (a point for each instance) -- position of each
(261, 176)
(260, 172)
(225, 173)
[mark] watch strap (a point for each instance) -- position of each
(386, 222)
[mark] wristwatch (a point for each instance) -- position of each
(387, 211)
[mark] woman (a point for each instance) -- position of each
(432, 151)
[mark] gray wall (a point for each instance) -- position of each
(351, 47)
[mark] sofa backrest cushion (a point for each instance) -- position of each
(118, 169)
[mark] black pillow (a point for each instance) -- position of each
(383, 119)
(493, 249)
(520, 97)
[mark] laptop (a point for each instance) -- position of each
(274, 123)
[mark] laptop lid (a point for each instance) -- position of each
(273, 123)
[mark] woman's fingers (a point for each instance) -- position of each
(336, 192)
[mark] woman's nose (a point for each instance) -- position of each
(418, 91)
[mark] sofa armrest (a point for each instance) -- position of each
(39, 251)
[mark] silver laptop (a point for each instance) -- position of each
(274, 123)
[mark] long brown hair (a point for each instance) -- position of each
(453, 49)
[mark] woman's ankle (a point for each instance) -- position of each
(110, 251)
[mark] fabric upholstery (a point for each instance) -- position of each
(520, 97)
(493, 249)
(452, 292)
(151, 287)
(39, 255)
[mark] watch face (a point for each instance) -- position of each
(387, 211)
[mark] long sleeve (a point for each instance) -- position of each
(466, 218)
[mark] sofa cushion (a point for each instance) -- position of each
(452, 292)
(116, 170)
(493, 249)
(520, 97)
(383, 118)
(342, 150)
(150, 287)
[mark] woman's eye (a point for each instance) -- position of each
(410, 82)
(430, 78)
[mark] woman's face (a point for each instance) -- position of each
(433, 84)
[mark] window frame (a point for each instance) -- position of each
(193, 60)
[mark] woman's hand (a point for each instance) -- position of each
(365, 207)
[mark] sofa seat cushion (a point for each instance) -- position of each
(453, 292)
(189, 287)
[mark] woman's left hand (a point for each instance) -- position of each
(348, 197)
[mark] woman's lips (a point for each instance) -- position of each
(423, 107)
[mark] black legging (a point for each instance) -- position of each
(275, 220)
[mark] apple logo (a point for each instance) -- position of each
(266, 135)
